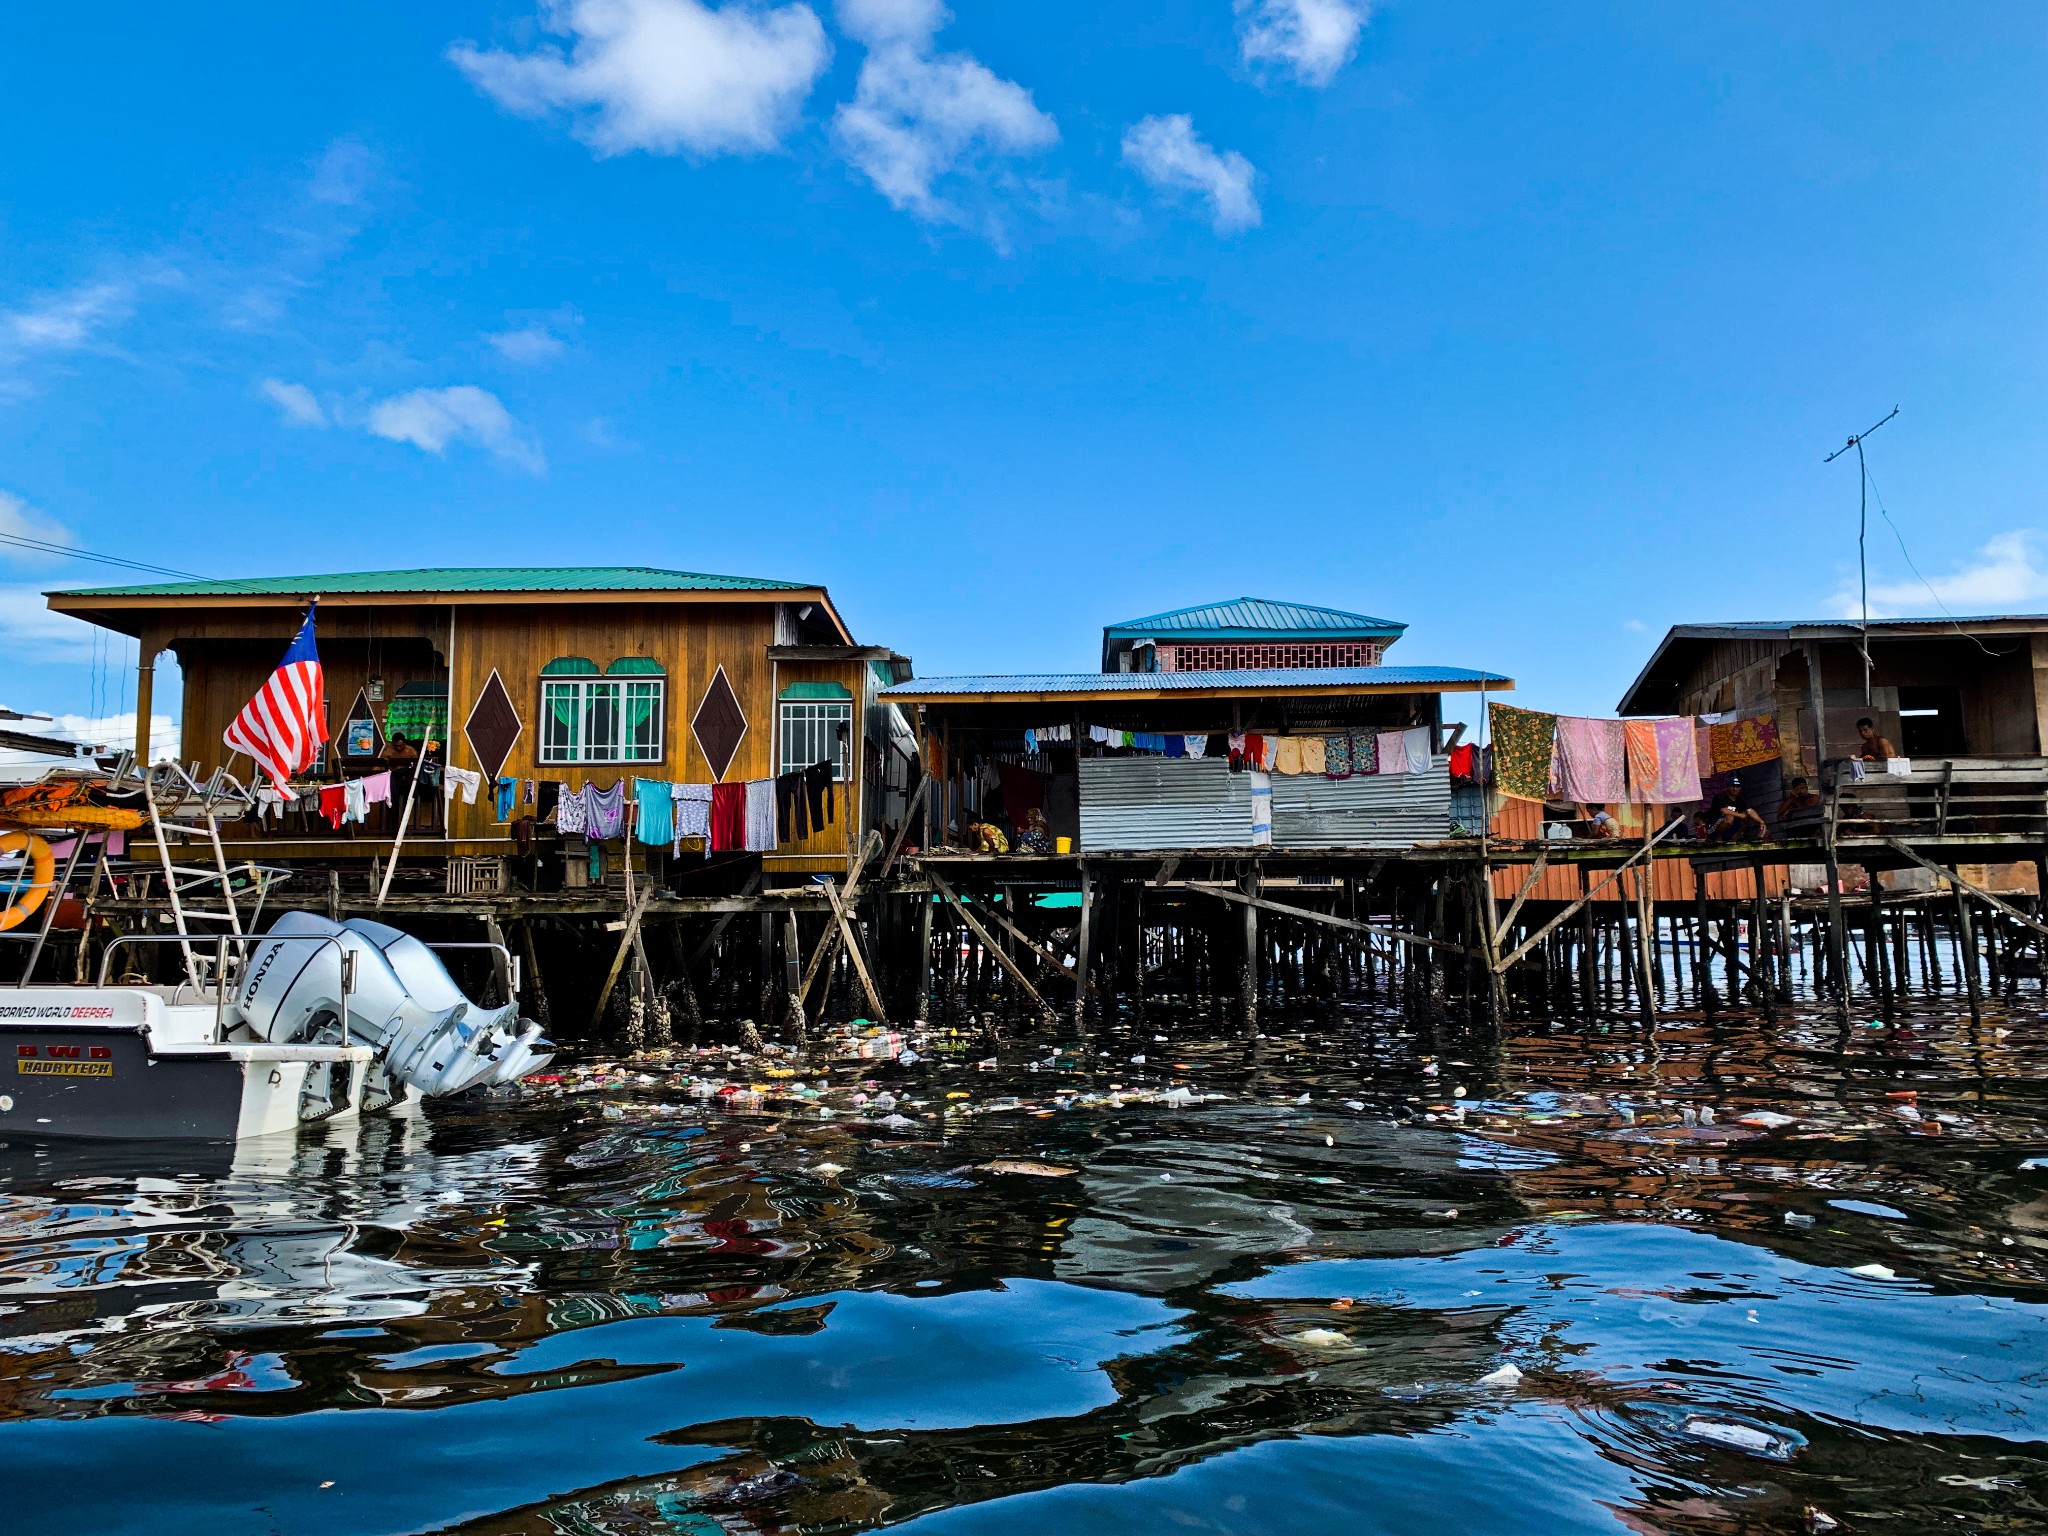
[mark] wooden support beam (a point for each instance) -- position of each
(1507, 923)
(828, 945)
(718, 928)
(1977, 891)
(1222, 893)
(854, 953)
(1016, 972)
(632, 931)
(1085, 940)
(1045, 957)
(1586, 900)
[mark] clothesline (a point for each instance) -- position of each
(1330, 754)
(742, 816)
(1669, 760)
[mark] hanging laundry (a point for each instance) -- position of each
(820, 795)
(462, 781)
(792, 819)
(1195, 746)
(607, 811)
(1176, 746)
(1465, 763)
(522, 835)
(1365, 752)
(1524, 744)
(1391, 752)
(1744, 743)
(655, 814)
(1315, 755)
(692, 813)
(1678, 764)
(1239, 748)
(1030, 742)
(1023, 792)
(728, 818)
(572, 812)
(1262, 809)
(334, 804)
(760, 814)
(1416, 743)
(527, 790)
(377, 788)
(507, 794)
(1287, 755)
(355, 804)
(594, 862)
(1337, 763)
(1590, 760)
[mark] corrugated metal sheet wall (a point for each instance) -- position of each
(1135, 804)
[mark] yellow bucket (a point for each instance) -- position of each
(1063, 845)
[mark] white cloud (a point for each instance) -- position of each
(294, 402)
(529, 344)
(1168, 153)
(29, 631)
(434, 418)
(21, 521)
(64, 322)
(663, 75)
(2006, 576)
(917, 116)
(1310, 39)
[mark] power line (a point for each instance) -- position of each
(1862, 535)
(44, 546)
(1907, 555)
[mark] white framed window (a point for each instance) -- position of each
(601, 720)
(817, 731)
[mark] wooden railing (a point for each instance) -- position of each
(1940, 797)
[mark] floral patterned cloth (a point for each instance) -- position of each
(1744, 743)
(1663, 761)
(1590, 760)
(1337, 762)
(1524, 743)
(1365, 752)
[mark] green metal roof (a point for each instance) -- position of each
(1256, 617)
(486, 578)
(1250, 618)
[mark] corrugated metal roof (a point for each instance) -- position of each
(1111, 684)
(573, 578)
(1137, 804)
(1261, 618)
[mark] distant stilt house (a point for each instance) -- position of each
(1249, 724)
(550, 678)
(1936, 688)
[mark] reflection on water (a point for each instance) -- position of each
(1747, 1277)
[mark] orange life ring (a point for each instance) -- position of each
(44, 865)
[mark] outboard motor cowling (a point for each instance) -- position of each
(404, 1002)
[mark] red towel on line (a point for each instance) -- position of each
(728, 818)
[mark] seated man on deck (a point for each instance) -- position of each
(983, 836)
(1871, 747)
(1734, 822)
(1600, 824)
(1801, 806)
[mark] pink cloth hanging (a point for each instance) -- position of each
(1393, 752)
(1678, 762)
(1590, 755)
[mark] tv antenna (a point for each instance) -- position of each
(1862, 538)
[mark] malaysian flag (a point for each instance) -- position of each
(283, 727)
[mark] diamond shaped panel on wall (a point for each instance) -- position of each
(719, 724)
(492, 727)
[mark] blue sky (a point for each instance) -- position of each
(1527, 325)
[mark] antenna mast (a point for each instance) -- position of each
(1862, 538)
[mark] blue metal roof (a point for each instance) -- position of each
(1257, 618)
(1079, 685)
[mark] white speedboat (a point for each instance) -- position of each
(319, 1021)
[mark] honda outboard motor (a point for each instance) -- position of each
(428, 1035)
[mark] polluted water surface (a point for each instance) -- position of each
(1732, 1276)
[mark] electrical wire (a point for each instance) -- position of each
(44, 546)
(1954, 623)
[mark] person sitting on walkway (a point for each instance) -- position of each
(1800, 804)
(985, 836)
(1734, 822)
(1873, 747)
(1601, 824)
(1036, 836)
